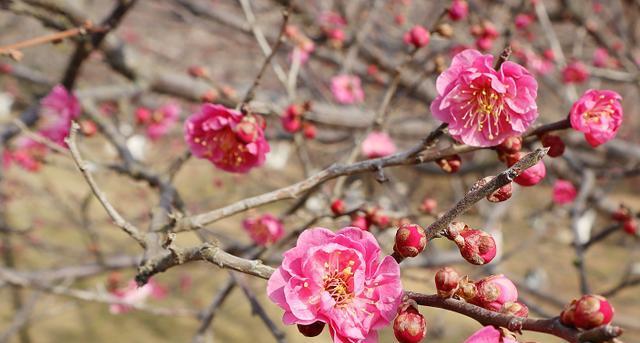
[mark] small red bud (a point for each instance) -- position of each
(309, 130)
(428, 205)
(531, 176)
(143, 115)
(198, 71)
(501, 194)
(418, 36)
(409, 325)
(567, 315)
(209, 96)
(450, 164)
(411, 240)
(447, 282)
(630, 226)
(622, 214)
(554, 143)
(515, 308)
(592, 311)
(360, 221)
(511, 145)
(338, 207)
(5, 68)
(311, 330)
(88, 127)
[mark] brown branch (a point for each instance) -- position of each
(14, 49)
(550, 326)
(127, 227)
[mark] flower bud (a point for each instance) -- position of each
(531, 176)
(360, 221)
(515, 308)
(622, 214)
(209, 96)
(5, 68)
(198, 71)
(409, 325)
(458, 10)
(467, 290)
(309, 130)
(476, 246)
(311, 330)
(511, 145)
(411, 240)
(338, 207)
(418, 36)
(450, 164)
(592, 311)
(495, 291)
(568, 313)
(428, 205)
(630, 226)
(88, 127)
(447, 282)
(501, 194)
(554, 143)
(143, 115)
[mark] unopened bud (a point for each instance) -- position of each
(411, 240)
(447, 282)
(409, 325)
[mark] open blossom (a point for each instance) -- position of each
(575, 72)
(337, 278)
(489, 334)
(378, 144)
(132, 295)
(231, 141)
(598, 114)
(482, 106)
(57, 110)
(347, 89)
(264, 230)
(160, 121)
(563, 192)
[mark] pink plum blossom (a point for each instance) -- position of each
(231, 141)
(337, 278)
(575, 72)
(57, 110)
(563, 192)
(264, 230)
(482, 106)
(132, 295)
(598, 114)
(347, 89)
(26, 153)
(489, 334)
(160, 121)
(378, 144)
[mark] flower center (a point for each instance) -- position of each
(336, 283)
(483, 108)
(602, 110)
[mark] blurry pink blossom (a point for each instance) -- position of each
(264, 230)
(132, 296)
(563, 192)
(347, 89)
(378, 144)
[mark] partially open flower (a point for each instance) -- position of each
(409, 326)
(411, 240)
(494, 291)
(476, 246)
(264, 230)
(447, 282)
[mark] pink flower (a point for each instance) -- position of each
(161, 120)
(598, 114)
(489, 334)
(57, 111)
(523, 20)
(418, 36)
(482, 106)
(231, 141)
(378, 144)
(132, 295)
(264, 230)
(575, 72)
(531, 176)
(26, 153)
(601, 58)
(494, 291)
(292, 119)
(563, 192)
(347, 89)
(337, 278)
(458, 10)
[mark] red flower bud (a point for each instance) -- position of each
(567, 315)
(531, 176)
(515, 308)
(511, 145)
(447, 282)
(209, 96)
(309, 130)
(411, 240)
(143, 115)
(494, 291)
(360, 221)
(622, 214)
(450, 164)
(5, 68)
(311, 330)
(554, 143)
(198, 71)
(88, 127)
(476, 246)
(338, 207)
(630, 226)
(501, 194)
(409, 325)
(428, 206)
(418, 36)
(591, 311)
